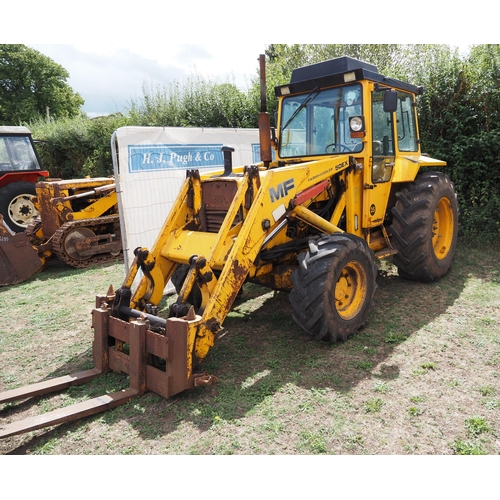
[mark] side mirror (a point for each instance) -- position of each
(390, 101)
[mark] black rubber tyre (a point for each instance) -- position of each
(425, 227)
(334, 286)
(178, 278)
(16, 206)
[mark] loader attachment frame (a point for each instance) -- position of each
(141, 360)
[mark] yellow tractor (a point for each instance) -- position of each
(77, 221)
(342, 183)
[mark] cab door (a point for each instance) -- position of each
(381, 165)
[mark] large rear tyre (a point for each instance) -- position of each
(334, 286)
(425, 227)
(16, 206)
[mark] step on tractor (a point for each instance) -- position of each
(20, 169)
(77, 222)
(342, 182)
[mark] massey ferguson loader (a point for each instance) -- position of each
(77, 221)
(347, 185)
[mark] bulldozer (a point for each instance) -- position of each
(341, 184)
(77, 221)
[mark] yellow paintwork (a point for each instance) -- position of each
(407, 167)
(97, 208)
(315, 220)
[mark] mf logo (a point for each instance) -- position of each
(281, 190)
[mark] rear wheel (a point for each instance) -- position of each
(425, 227)
(334, 286)
(16, 206)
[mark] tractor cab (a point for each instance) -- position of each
(346, 107)
(17, 151)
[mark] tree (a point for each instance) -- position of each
(32, 83)
(463, 124)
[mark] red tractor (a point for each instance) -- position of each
(20, 168)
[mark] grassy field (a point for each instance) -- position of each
(422, 378)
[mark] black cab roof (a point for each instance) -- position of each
(337, 72)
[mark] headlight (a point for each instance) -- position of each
(356, 123)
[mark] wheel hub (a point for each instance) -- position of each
(22, 211)
(77, 240)
(442, 228)
(350, 290)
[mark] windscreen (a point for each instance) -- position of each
(318, 123)
(16, 153)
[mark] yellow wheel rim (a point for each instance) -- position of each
(443, 226)
(350, 290)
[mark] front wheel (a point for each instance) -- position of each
(16, 206)
(425, 227)
(334, 286)
(177, 280)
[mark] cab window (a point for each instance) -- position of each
(383, 140)
(317, 123)
(406, 124)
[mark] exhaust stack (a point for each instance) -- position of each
(264, 118)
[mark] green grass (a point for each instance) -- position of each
(461, 447)
(421, 377)
(374, 405)
(476, 425)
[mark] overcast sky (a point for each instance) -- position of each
(108, 76)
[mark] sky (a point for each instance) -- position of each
(112, 48)
(109, 76)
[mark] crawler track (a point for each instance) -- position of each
(101, 226)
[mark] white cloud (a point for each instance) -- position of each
(108, 76)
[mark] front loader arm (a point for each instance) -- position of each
(220, 261)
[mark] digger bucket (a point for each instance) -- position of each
(18, 258)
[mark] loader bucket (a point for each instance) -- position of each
(18, 258)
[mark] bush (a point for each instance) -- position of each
(195, 103)
(460, 123)
(78, 147)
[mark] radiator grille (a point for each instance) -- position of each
(217, 198)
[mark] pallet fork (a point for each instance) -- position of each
(112, 339)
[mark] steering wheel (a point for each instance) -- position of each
(336, 145)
